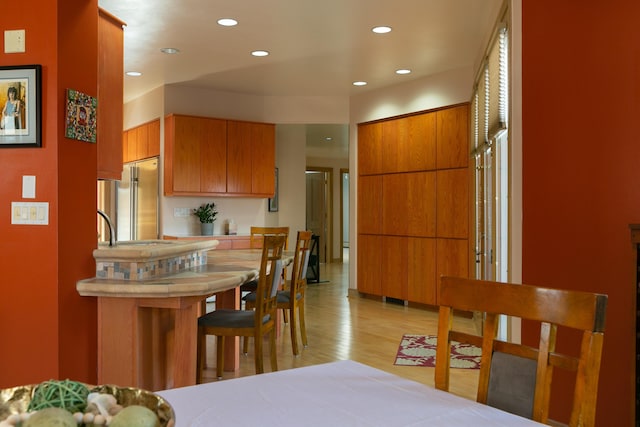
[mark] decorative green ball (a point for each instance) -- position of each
(65, 394)
(51, 417)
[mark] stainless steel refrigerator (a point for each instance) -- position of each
(137, 201)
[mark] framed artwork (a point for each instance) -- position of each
(273, 202)
(20, 100)
(81, 123)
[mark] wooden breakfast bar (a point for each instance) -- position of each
(147, 326)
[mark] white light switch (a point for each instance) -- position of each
(36, 213)
(14, 41)
(28, 187)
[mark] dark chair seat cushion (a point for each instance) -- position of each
(250, 286)
(281, 297)
(227, 318)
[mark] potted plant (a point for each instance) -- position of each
(206, 213)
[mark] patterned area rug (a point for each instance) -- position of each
(420, 350)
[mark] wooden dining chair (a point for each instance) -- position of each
(514, 377)
(291, 298)
(244, 323)
(256, 237)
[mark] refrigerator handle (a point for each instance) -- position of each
(133, 212)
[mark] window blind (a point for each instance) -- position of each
(497, 65)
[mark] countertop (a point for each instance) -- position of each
(208, 236)
(148, 250)
(225, 269)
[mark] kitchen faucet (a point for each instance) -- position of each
(111, 227)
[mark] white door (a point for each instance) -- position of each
(317, 209)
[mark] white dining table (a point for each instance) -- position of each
(343, 393)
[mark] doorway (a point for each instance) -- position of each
(344, 215)
(319, 209)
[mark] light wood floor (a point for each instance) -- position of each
(343, 327)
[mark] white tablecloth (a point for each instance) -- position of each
(344, 393)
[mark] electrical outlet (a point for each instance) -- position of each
(181, 212)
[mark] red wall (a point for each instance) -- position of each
(48, 330)
(581, 170)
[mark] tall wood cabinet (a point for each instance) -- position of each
(110, 95)
(413, 203)
(217, 157)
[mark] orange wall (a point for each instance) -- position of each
(48, 330)
(581, 169)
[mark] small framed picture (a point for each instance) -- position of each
(273, 202)
(20, 100)
(81, 123)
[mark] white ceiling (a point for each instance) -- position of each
(317, 47)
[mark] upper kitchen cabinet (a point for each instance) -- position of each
(110, 97)
(217, 157)
(141, 142)
(195, 156)
(250, 159)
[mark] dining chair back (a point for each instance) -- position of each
(256, 238)
(515, 377)
(291, 299)
(256, 235)
(248, 323)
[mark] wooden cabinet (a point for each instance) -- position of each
(453, 137)
(370, 148)
(110, 96)
(452, 200)
(409, 204)
(452, 258)
(393, 267)
(404, 267)
(127, 141)
(398, 145)
(153, 141)
(195, 156)
(421, 270)
(250, 158)
(369, 264)
(409, 144)
(141, 142)
(413, 203)
(370, 204)
(217, 157)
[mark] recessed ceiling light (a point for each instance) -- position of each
(259, 53)
(328, 138)
(134, 73)
(359, 83)
(403, 71)
(169, 50)
(381, 30)
(227, 22)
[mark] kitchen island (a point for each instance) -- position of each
(147, 328)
